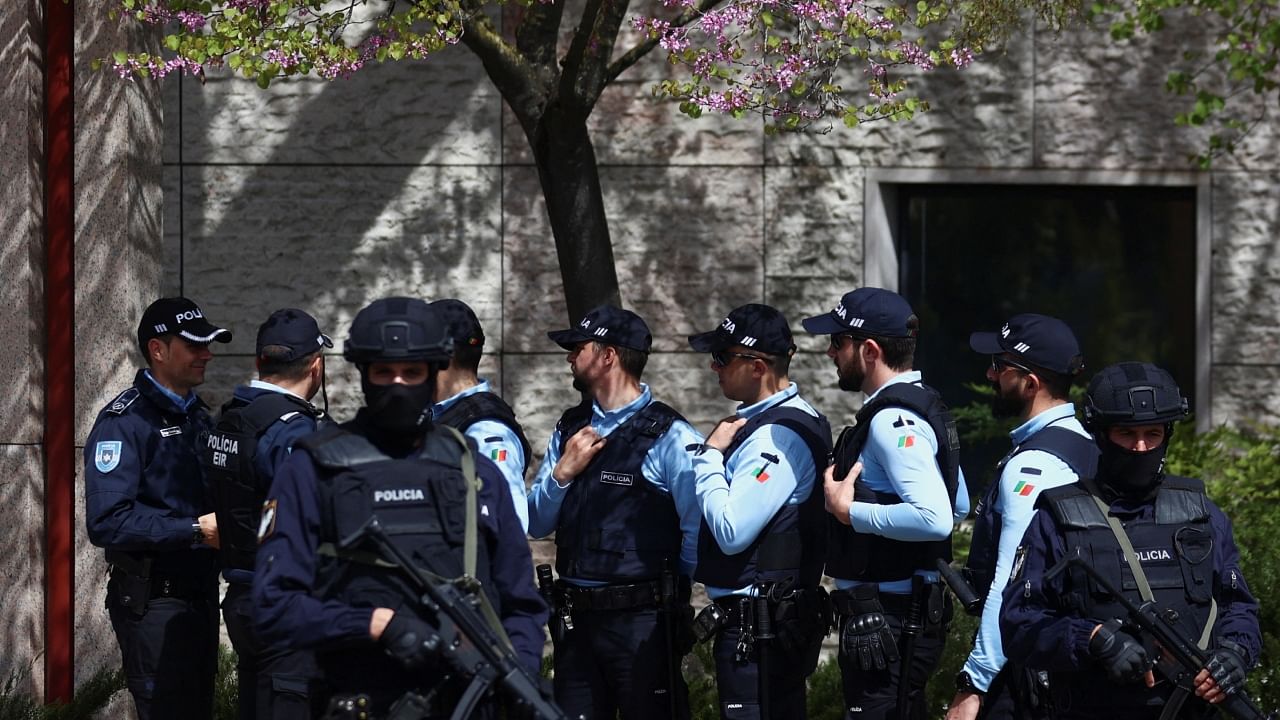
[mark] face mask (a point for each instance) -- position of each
(399, 409)
(1130, 474)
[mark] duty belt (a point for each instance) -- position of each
(893, 603)
(612, 597)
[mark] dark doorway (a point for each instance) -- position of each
(1118, 264)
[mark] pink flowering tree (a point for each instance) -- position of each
(792, 63)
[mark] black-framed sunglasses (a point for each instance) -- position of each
(722, 358)
(837, 340)
(999, 363)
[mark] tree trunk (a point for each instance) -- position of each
(566, 162)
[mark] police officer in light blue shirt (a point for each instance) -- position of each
(764, 528)
(145, 503)
(1034, 359)
(616, 486)
(471, 406)
(895, 491)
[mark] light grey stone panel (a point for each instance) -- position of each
(170, 92)
(118, 208)
(1245, 394)
(687, 243)
(442, 110)
(799, 298)
(21, 566)
(1246, 268)
(331, 240)
(815, 373)
(171, 241)
(981, 117)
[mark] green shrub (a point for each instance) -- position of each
(89, 698)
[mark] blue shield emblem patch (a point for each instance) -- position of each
(106, 455)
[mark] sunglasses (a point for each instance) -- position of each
(998, 364)
(722, 358)
(838, 339)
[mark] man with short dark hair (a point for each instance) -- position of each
(763, 534)
(145, 503)
(467, 402)
(616, 487)
(900, 492)
(1033, 361)
(252, 438)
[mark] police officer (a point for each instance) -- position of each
(145, 503)
(1153, 536)
(901, 491)
(321, 581)
(616, 487)
(472, 407)
(253, 436)
(1033, 361)
(763, 537)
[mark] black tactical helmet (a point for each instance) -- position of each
(1132, 393)
(398, 329)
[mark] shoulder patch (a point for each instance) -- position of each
(123, 401)
(493, 439)
(106, 455)
(903, 421)
(1031, 471)
(770, 457)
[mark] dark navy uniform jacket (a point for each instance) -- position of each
(1037, 634)
(285, 610)
(144, 486)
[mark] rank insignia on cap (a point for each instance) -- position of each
(1023, 488)
(267, 525)
(106, 455)
(906, 441)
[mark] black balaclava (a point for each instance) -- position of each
(397, 414)
(1128, 474)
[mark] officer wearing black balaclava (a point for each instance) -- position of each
(316, 588)
(1154, 535)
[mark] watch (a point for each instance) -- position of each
(964, 683)
(197, 533)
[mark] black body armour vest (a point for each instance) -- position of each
(853, 555)
(793, 543)
(471, 409)
(615, 526)
(1080, 453)
(228, 455)
(420, 502)
(1174, 546)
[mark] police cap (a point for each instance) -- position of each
(869, 312)
(295, 331)
(759, 327)
(1038, 340)
(178, 316)
(609, 325)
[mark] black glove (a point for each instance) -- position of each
(1227, 666)
(409, 640)
(1121, 655)
(866, 638)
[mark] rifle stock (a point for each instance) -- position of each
(1156, 623)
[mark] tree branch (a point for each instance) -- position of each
(642, 48)
(539, 31)
(594, 74)
(510, 71)
(578, 48)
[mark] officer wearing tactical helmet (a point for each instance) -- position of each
(1156, 537)
(253, 436)
(321, 583)
(145, 504)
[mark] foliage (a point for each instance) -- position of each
(89, 698)
(1226, 89)
(226, 689)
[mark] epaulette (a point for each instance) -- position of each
(122, 401)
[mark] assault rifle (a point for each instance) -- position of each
(462, 637)
(1159, 624)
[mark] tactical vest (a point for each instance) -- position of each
(1174, 547)
(420, 503)
(1080, 453)
(793, 543)
(470, 409)
(228, 454)
(852, 555)
(616, 526)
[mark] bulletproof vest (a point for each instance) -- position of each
(793, 543)
(470, 409)
(228, 454)
(616, 526)
(1080, 453)
(852, 555)
(1174, 547)
(419, 502)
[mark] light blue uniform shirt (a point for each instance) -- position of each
(667, 465)
(900, 458)
(182, 402)
(499, 443)
(1016, 509)
(735, 502)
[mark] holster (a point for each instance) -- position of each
(132, 577)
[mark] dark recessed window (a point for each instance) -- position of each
(1118, 264)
